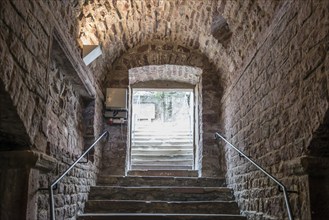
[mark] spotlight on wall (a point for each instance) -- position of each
(90, 53)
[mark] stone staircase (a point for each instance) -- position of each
(160, 197)
(161, 147)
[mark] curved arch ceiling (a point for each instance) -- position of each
(120, 25)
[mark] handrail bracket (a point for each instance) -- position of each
(288, 191)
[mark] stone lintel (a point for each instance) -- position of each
(26, 159)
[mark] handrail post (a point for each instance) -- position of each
(284, 189)
(286, 199)
(51, 187)
(51, 203)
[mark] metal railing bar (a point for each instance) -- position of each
(86, 161)
(283, 187)
(54, 183)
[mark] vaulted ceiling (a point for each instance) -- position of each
(225, 31)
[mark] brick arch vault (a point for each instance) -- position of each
(161, 55)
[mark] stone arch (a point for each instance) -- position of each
(164, 53)
(171, 76)
(13, 135)
(177, 73)
(157, 53)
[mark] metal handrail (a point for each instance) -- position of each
(54, 183)
(284, 189)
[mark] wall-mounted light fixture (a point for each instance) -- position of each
(90, 53)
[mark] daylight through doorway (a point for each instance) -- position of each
(162, 132)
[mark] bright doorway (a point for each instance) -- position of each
(162, 129)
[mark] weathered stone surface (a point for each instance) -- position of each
(185, 74)
(266, 89)
(273, 106)
(47, 110)
(123, 25)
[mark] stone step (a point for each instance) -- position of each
(163, 147)
(147, 136)
(170, 141)
(161, 157)
(159, 154)
(161, 130)
(156, 141)
(138, 206)
(164, 172)
(163, 216)
(164, 154)
(160, 194)
(160, 147)
(162, 162)
(161, 150)
(159, 167)
(163, 193)
(159, 181)
(164, 142)
(151, 133)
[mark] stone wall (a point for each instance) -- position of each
(273, 70)
(122, 25)
(71, 192)
(64, 128)
(56, 110)
(275, 104)
(24, 51)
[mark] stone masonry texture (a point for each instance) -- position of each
(47, 127)
(264, 85)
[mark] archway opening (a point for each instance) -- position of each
(162, 129)
(164, 119)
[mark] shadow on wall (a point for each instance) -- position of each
(13, 134)
(318, 170)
